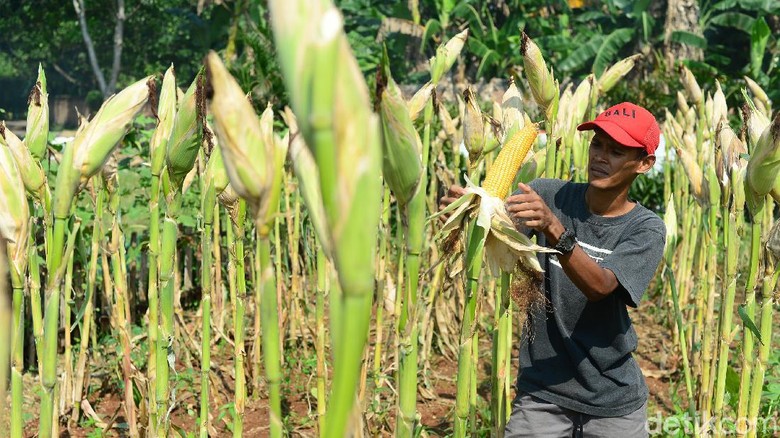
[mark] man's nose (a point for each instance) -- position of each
(599, 157)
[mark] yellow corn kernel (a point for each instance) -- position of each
(502, 173)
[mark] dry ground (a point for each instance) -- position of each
(299, 405)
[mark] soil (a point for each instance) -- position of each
(436, 411)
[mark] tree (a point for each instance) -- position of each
(682, 15)
(105, 88)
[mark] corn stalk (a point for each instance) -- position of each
(334, 114)
(82, 159)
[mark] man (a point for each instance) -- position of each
(577, 376)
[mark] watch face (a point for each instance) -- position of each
(566, 242)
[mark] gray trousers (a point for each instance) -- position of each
(534, 417)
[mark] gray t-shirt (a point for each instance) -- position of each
(579, 353)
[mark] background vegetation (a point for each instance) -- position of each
(719, 41)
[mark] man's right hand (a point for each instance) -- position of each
(453, 193)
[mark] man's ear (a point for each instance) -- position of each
(646, 163)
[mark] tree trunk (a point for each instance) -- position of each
(119, 31)
(106, 88)
(682, 15)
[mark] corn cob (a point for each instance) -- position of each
(166, 114)
(719, 106)
(93, 145)
(473, 126)
(692, 88)
(402, 166)
(420, 99)
(13, 229)
(185, 138)
(755, 122)
(14, 212)
(760, 95)
(37, 134)
(512, 110)
(613, 74)
(682, 104)
(544, 87)
(29, 168)
(446, 55)
(247, 143)
(503, 171)
(764, 163)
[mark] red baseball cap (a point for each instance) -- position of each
(628, 124)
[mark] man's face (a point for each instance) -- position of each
(612, 165)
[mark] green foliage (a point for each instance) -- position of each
(648, 190)
(157, 33)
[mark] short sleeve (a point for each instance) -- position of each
(635, 259)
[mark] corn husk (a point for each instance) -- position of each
(511, 111)
(401, 164)
(228, 198)
(93, 145)
(249, 146)
(507, 247)
(773, 242)
(419, 100)
(682, 104)
(760, 95)
(14, 211)
(186, 135)
(690, 118)
(310, 41)
(708, 104)
(738, 175)
(764, 164)
(449, 125)
(775, 193)
(616, 72)
(29, 168)
(564, 102)
(473, 126)
(37, 135)
(699, 187)
(110, 170)
(580, 101)
(216, 174)
(691, 86)
(267, 212)
(755, 122)
(670, 221)
(672, 126)
(719, 106)
(730, 149)
(543, 85)
(166, 114)
(446, 55)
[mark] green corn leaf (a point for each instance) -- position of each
(748, 323)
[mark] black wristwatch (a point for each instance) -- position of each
(566, 242)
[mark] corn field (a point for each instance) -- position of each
(319, 239)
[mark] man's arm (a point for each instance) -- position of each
(595, 282)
